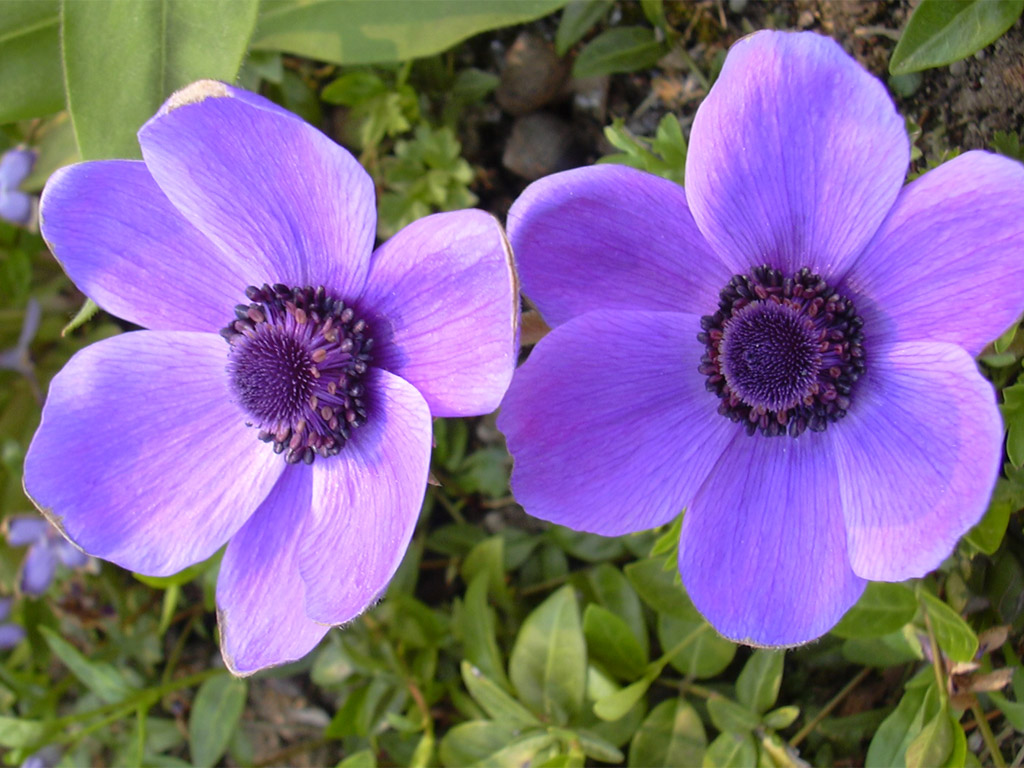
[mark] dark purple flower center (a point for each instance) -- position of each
(297, 359)
(782, 353)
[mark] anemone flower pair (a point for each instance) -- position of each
(784, 348)
(281, 399)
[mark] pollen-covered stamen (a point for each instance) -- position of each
(296, 364)
(782, 353)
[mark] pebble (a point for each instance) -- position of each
(533, 76)
(540, 143)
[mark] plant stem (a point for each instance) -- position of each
(806, 731)
(986, 733)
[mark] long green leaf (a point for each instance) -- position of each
(101, 678)
(370, 31)
(215, 715)
(33, 85)
(943, 31)
(122, 58)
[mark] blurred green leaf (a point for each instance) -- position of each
(897, 647)
(369, 31)
(122, 58)
(660, 589)
(101, 678)
(613, 591)
(30, 65)
(954, 635)
(731, 750)
(619, 49)
(883, 608)
(85, 313)
(615, 705)
(705, 655)
(20, 732)
(729, 716)
(1007, 143)
(475, 742)
(1006, 338)
(364, 758)
(988, 534)
(1012, 409)
(610, 642)
(495, 701)
(940, 32)
(577, 19)
(488, 557)
(757, 687)
(476, 626)
(898, 731)
(781, 718)
(672, 734)
(215, 714)
(548, 665)
(934, 743)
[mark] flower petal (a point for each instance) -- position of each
(142, 458)
(609, 423)
(256, 179)
(37, 570)
(25, 529)
(366, 502)
(122, 242)
(15, 166)
(918, 455)
(763, 548)
(10, 636)
(15, 206)
(443, 296)
(948, 263)
(260, 595)
(610, 237)
(796, 155)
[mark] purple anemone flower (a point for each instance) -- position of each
(784, 348)
(46, 548)
(281, 399)
(10, 633)
(15, 166)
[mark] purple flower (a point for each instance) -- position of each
(10, 634)
(46, 548)
(15, 166)
(784, 348)
(282, 397)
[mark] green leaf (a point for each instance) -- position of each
(889, 745)
(495, 701)
(731, 750)
(364, 758)
(215, 714)
(369, 31)
(19, 732)
(101, 678)
(1004, 144)
(672, 734)
(577, 19)
(87, 311)
(613, 591)
(942, 31)
(619, 49)
(988, 534)
(757, 687)
(611, 643)
(476, 626)
(934, 743)
(660, 589)
(899, 647)
(488, 557)
(883, 608)
(30, 65)
(548, 665)
(954, 635)
(122, 58)
(1012, 409)
(706, 655)
(729, 716)
(475, 742)
(178, 579)
(780, 718)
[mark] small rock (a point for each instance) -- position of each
(958, 68)
(539, 144)
(533, 76)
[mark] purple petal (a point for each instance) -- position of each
(10, 636)
(68, 553)
(796, 155)
(15, 166)
(24, 530)
(15, 206)
(260, 595)
(948, 263)
(142, 458)
(38, 569)
(918, 455)
(5, 607)
(443, 295)
(366, 503)
(609, 237)
(763, 548)
(255, 179)
(123, 243)
(609, 423)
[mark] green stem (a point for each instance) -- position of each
(986, 733)
(834, 702)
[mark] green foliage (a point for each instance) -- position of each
(577, 19)
(620, 49)
(370, 32)
(940, 32)
(215, 714)
(664, 155)
(30, 65)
